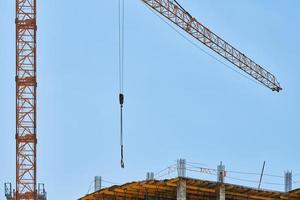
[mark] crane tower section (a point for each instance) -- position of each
(26, 84)
(175, 13)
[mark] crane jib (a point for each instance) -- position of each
(175, 13)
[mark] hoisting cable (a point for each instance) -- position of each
(121, 74)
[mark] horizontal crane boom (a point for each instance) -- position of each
(172, 10)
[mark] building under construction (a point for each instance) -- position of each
(183, 188)
(187, 188)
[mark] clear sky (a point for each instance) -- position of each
(179, 101)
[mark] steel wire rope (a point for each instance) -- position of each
(167, 168)
(252, 181)
(209, 173)
(234, 178)
(90, 187)
(110, 182)
(254, 173)
(166, 174)
(238, 172)
(121, 73)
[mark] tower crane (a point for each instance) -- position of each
(175, 13)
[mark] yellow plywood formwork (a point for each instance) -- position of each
(195, 190)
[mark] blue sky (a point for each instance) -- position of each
(179, 101)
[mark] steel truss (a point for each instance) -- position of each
(179, 16)
(26, 84)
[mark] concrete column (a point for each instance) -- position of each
(150, 176)
(221, 194)
(181, 167)
(97, 183)
(181, 190)
(288, 181)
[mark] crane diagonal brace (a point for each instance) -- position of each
(175, 13)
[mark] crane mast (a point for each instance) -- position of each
(26, 90)
(26, 84)
(175, 13)
(26, 140)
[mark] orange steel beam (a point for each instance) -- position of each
(26, 139)
(175, 13)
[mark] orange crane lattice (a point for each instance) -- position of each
(175, 13)
(26, 84)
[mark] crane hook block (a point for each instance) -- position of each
(121, 98)
(122, 161)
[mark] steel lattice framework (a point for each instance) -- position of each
(26, 100)
(179, 16)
